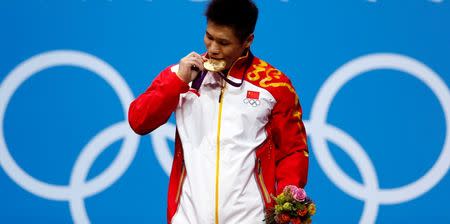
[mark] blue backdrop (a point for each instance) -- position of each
(372, 77)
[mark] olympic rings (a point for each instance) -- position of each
(253, 102)
(319, 132)
(79, 188)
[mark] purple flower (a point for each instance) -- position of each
(296, 193)
(299, 195)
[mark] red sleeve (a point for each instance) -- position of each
(289, 137)
(153, 108)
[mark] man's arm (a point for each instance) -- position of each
(153, 108)
(289, 137)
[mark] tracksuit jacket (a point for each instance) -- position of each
(235, 146)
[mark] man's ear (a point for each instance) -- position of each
(249, 40)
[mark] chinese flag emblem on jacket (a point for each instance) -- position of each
(252, 95)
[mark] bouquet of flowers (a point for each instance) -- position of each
(291, 207)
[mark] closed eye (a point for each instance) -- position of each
(224, 43)
(220, 41)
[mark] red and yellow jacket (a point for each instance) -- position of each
(234, 146)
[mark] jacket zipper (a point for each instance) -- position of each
(216, 216)
(222, 90)
(261, 183)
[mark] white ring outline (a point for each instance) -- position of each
(77, 189)
(161, 147)
(383, 61)
(317, 124)
(362, 162)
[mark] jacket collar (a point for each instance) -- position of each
(236, 70)
(240, 65)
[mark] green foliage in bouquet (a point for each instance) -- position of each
(291, 207)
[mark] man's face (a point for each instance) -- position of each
(222, 44)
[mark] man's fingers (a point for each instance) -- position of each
(195, 62)
(198, 58)
(194, 55)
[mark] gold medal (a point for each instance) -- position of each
(214, 65)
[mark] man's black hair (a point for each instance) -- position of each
(240, 15)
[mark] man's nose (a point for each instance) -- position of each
(214, 48)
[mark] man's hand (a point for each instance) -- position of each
(190, 66)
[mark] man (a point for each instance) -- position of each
(240, 138)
